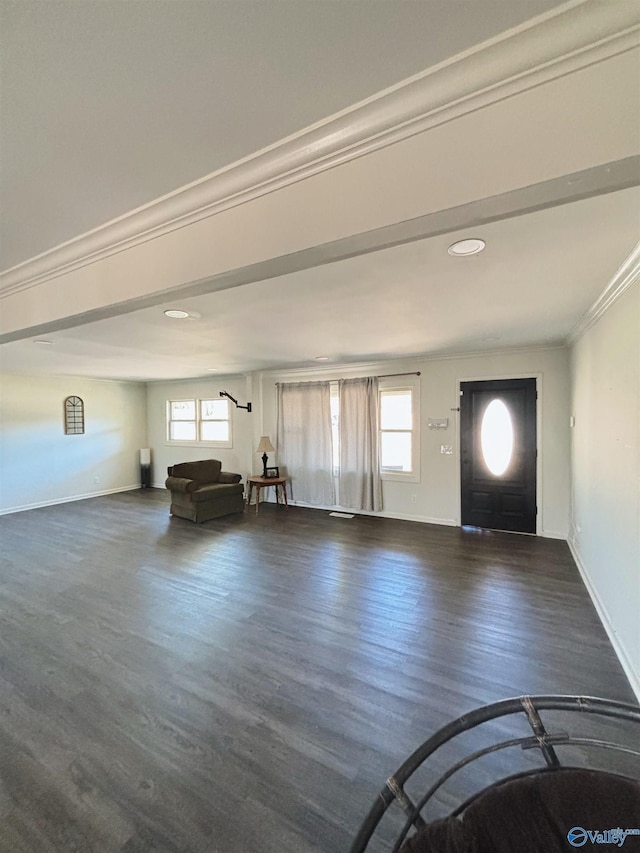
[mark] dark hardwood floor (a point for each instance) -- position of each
(249, 683)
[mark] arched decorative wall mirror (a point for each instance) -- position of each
(74, 415)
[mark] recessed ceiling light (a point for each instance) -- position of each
(466, 247)
(212, 369)
(322, 358)
(176, 314)
(43, 342)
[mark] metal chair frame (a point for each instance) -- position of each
(530, 706)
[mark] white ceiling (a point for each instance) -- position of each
(528, 288)
(106, 106)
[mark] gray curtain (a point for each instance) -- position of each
(359, 484)
(304, 440)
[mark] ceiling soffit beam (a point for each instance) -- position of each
(573, 37)
(610, 177)
(540, 140)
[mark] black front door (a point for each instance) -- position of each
(498, 454)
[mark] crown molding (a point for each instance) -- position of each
(408, 363)
(574, 36)
(201, 377)
(627, 275)
(72, 378)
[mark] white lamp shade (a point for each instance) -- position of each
(145, 456)
(264, 445)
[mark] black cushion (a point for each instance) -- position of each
(534, 814)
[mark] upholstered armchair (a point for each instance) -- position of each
(201, 491)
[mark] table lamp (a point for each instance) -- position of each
(264, 447)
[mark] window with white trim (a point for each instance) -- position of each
(396, 430)
(399, 439)
(199, 422)
(215, 424)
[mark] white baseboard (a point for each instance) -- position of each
(423, 519)
(401, 516)
(553, 534)
(67, 500)
(449, 522)
(632, 675)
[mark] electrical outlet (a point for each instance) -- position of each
(413, 498)
(96, 480)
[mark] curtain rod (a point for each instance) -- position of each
(379, 376)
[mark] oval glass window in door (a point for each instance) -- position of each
(496, 437)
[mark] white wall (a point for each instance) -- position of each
(605, 528)
(236, 459)
(41, 465)
(436, 498)
(121, 419)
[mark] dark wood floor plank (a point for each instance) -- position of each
(248, 684)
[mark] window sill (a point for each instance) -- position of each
(221, 445)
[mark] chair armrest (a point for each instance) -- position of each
(181, 484)
(227, 477)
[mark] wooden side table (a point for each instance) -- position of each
(258, 483)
